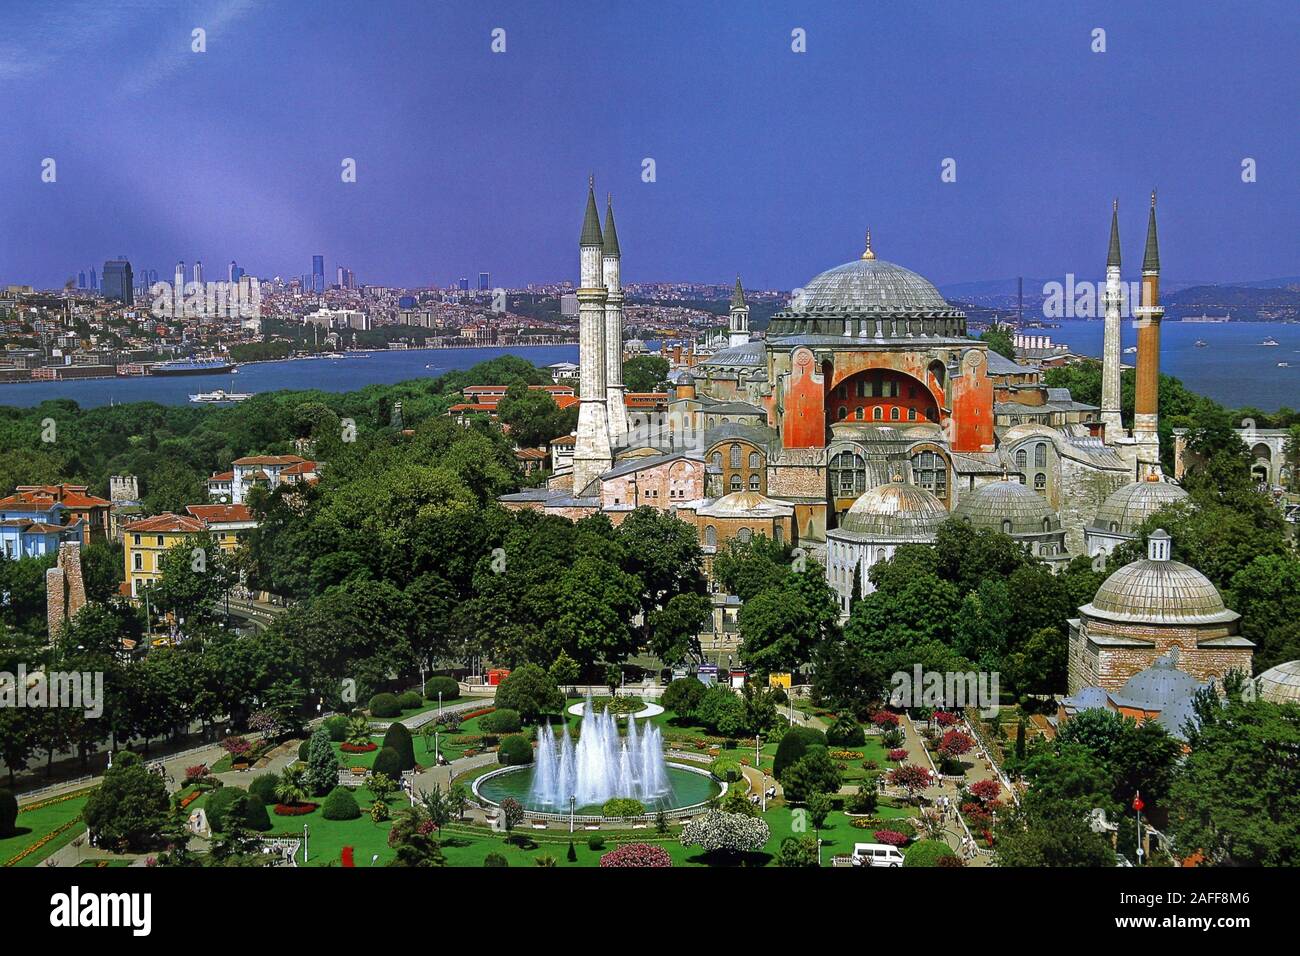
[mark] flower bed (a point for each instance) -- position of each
(358, 748)
(846, 754)
(637, 854)
(891, 837)
(294, 809)
(189, 798)
(348, 858)
(898, 754)
(476, 713)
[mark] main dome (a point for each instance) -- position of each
(870, 286)
(896, 510)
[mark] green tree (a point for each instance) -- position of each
(531, 691)
(998, 338)
(129, 807)
(645, 373)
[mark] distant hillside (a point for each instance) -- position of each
(1242, 303)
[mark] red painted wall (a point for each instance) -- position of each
(804, 422)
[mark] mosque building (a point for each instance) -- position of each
(862, 418)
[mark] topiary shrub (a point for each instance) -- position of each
(503, 720)
(398, 738)
(927, 853)
(223, 806)
(447, 686)
(846, 732)
(264, 787)
(410, 701)
(341, 804)
(495, 859)
(622, 807)
(682, 696)
(388, 762)
(726, 768)
(304, 750)
(515, 750)
(8, 813)
(336, 726)
(793, 746)
(385, 705)
(255, 816)
(595, 843)
(530, 691)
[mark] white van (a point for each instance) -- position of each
(876, 854)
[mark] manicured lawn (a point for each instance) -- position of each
(56, 821)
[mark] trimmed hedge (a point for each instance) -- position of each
(8, 813)
(410, 701)
(255, 816)
(503, 720)
(927, 853)
(622, 807)
(846, 732)
(337, 727)
(793, 746)
(398, 738)
(264, 787)
(447, 685)
(223, 806)
(385, 705)
(495, 859)
(341, 804)
(304, 750)
(389, 763)
(515, 750)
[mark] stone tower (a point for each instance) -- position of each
(1146, 402)
(591, 450)
(1110, 368)
(614, 389)
(65, 590)
(739, 329)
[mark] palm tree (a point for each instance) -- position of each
(545, 860)
(359, 731)
(291, 788)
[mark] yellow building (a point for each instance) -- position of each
(145, 542)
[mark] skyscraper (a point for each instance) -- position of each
(198, 271)
(117, 281)
(483, 280)
(94, 280)
(318, 273)
(464, 284)
(81, 279)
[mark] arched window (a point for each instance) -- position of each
(717, 460)
(1040, 482)
(848, 474)
(1022, 459)
(1040, 455)
(735, 456)
(1047, 524)
(930, 471)
(735, 482)
(859, 413)
(743, 535)
(711, 537)
(753, 482)
(843, 413)
(877, 414)
(754, 461)
(1006, 525)
(911, 414)
(778, 534)
(893, 414)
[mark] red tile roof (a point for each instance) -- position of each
(220, 514)
(223, 476)
(301, 468)
(164, 523)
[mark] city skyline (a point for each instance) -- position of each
(766, 162)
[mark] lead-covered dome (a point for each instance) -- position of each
(1280, 684)
(1007, 506)
(1159, 592)
(1128, 506)
(870, 286)
(896, 510)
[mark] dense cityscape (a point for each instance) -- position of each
(838, 567)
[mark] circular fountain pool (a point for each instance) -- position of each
(688, 788)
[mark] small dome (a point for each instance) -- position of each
(896, 510)
(746, 504)
(990, 506)
(749, 354)
(1159, 592)
(1159, 686)
(1280, 684)
(871, 286)
(1130, 505)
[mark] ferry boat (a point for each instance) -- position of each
(1283, 364)
(220, 397)
(1269, 340)
(1132, 349)
(1201, 343)
(193, 366)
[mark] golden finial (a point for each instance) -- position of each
(1114, 204)
(591, 181)
(1153, 199)
(868, 254)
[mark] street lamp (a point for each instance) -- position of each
(440, 706)
(306, 833)
(422, 670)
(572, 804)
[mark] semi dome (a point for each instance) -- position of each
(870, 286)
(1159, 592)
(749, 354)
(746, 504)
(1159, 686)
(896, 510)
(991, 506)
(1280, 684)
(1130, 505)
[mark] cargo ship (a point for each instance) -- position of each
(203, 366)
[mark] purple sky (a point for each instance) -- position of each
(769, 163)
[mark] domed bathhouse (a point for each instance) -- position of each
(879, 521)
(1161, 692)
(1144, 610)
(1124, 511)
(1280, 684)
(1018, 511)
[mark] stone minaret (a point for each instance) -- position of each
(1146, 404)
(591, 452)
(739, 317)
(1110, 351)
(614, 390)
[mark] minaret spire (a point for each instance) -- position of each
(591, 451)
(1151, 258)
(1112, 258)
(738, 332)
(591, 221)
(611, 275)
(1111, 418)
(1146, 399)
